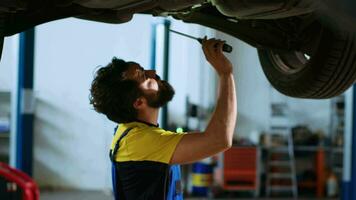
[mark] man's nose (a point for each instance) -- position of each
(150, 73)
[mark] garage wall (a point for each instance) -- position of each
(72, 140)
(8, 80)
(252, 88)
(254, 95)
(8, 63)
(314, 113)
(190, 74)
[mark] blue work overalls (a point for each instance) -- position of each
(174, 175)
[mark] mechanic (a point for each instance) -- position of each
(141, 151)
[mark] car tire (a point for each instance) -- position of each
(328, 72)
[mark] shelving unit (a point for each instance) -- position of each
(337, 128)
(5, 108)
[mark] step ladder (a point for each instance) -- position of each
(280, 170)
(280, 165)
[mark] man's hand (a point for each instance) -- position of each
(214, 55)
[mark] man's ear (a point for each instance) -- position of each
(139, 103)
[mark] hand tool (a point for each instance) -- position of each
(226, 48)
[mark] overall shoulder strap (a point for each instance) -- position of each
(116, 184)
(175, 189)
(117, 145)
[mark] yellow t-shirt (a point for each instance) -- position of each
(145, 143)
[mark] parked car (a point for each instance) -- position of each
(307, 48)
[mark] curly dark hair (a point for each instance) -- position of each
(113, 95)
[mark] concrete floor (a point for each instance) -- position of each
(99, 195)
(75, 195)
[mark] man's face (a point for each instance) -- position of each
(157, 92)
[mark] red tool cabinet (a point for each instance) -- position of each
(241, 169)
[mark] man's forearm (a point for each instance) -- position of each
(222, 124)
(218, 135)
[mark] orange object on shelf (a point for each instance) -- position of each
(321, 174)
(241, 169)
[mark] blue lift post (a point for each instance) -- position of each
(25, 103)
(167, 25)
(349, 170)
(165, 59)
(153, 46)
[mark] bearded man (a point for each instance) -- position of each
(142, 152)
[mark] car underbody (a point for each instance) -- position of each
(289, 34)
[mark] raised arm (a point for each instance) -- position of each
(219, 133)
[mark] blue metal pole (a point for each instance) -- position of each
(353, 151)
(167, 25)
(25, 103)
(349, 172)
(153, 46)
(165, 59)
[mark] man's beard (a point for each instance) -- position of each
(161, 97)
